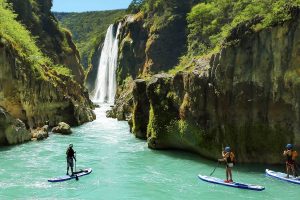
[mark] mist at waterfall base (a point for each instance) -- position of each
(106, 84)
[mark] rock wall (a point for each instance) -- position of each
(12, 131)
(246, 96)
(53, 41)
(153, 41)
(35, 100)
(91, 76)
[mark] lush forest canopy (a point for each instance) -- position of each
(88, 29)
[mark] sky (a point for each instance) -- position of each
(88, 5)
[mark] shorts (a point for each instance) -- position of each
(70, 162)
(290, 163)
(230, 165)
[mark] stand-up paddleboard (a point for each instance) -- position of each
(233, 184)
(80, 173)
(282, 176)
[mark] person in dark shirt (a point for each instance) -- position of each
(70, 156)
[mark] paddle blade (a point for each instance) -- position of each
(77, 178)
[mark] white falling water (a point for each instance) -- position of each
(106, 84)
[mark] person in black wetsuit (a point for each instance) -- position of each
(70, 156)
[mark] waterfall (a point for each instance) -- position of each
(106, 84)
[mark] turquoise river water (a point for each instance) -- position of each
(123, 168)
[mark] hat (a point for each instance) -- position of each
(227, 149)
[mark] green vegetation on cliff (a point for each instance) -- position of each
(88, 29)
(239, 79)
(213, 22)
(11, 31)
(37, 62)
(52, 40)
(25, 45)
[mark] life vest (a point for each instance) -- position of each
(230, 158)
(70, 152)
(292, 157)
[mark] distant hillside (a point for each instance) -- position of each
(88, 29)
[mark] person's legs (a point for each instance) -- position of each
(227, 173)
(287, 170)
(67, 167)
(71, 165)
(230, 174)
(293, 170)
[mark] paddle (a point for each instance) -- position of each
(216, 166)
(76, 177)
(296, 169)
(214, 169)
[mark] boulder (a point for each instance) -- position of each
(12, 131)
(62, 128)
(40, 133)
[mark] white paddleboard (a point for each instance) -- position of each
(80, 173)
(218, 181)
(282, 176)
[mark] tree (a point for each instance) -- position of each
(135, 6)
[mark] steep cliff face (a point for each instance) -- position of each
(133, 38)
(153, 41)
(35, 100)
(246, 96)
(32, 91)
(91, 76)
(55, 42)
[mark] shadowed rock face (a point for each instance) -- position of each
(152, 42)
(140, 115)
(91, 76)
(12, 131)
(147, 47)
(246, 96)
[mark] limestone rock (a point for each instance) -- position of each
(245, 96)
(53, 41)
(140, 109)
(40, 133)
(12, 131)
(124, 103)
(62, 128)
(35, 96)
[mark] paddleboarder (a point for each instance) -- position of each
(291, 156)
(70, 156)
(229, 159)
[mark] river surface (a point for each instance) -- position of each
(123, 168)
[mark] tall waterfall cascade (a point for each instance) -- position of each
(106, 83)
